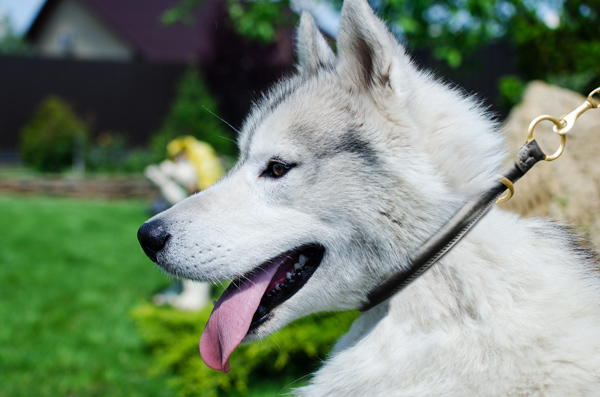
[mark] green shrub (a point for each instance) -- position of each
(193, 113)
(138, 159)
(111, 154)
(291, 353)
(51, 138)
(108, 153)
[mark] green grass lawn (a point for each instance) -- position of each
(72, 280)
(71, 271)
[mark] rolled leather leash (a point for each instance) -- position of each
(454, 230)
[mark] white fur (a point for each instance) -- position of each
(384, 154)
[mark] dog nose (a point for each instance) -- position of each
(152, 237)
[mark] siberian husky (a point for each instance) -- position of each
(346, 169)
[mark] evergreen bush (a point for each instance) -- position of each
(292, 353)
(193, 113)
(51, 139)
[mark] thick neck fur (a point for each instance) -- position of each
(500, 303)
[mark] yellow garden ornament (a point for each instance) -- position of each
(201, 155)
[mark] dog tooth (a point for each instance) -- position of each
(297, 266)
(303, 260)
(289, 276)
(214, 302)
(277, 286)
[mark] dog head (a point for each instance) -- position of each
(345, 169)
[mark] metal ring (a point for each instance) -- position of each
(511, 189)
(558, 124)
(561, 149)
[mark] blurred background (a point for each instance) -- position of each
(93, 91)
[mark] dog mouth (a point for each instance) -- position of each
(294, 270)
(249, 300)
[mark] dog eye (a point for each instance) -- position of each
(276, 169)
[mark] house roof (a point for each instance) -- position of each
(138, 22)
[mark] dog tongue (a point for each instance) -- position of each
(230, 319)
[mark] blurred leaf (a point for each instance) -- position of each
(181, 12)
(259, 20)
(511, 91)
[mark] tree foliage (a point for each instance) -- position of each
(566, 54)
(257, 20)
(449, 28)
(456, 25)
(260, 20)
(10, 42)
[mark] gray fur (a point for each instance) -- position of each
(352, 142)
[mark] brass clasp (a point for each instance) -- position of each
(568, 121)
(564, 124)
(557, 124)
(561, 126)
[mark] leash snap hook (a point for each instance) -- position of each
(558, 125)
(565, 123)
(568, 121)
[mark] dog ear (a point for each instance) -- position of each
(365, 46)
(312, 48)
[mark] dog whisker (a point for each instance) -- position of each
(228, 124)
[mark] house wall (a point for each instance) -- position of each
(72, 30)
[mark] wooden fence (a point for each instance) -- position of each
(127, 187)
